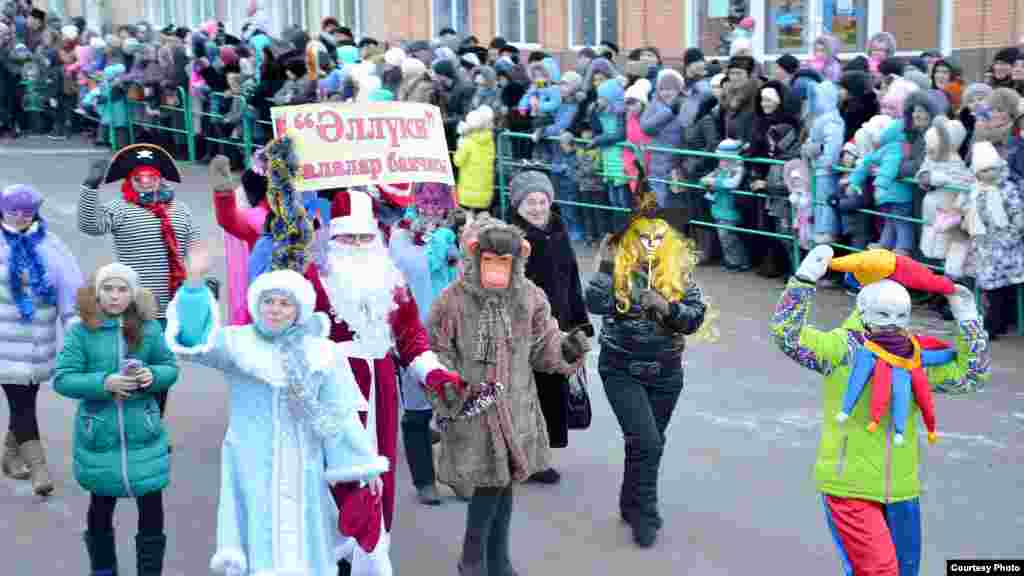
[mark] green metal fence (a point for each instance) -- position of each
(506, 161)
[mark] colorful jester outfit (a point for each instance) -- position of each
(867, 474)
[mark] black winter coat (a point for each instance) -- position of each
(552, 266)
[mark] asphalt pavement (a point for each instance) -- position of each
(737, 493)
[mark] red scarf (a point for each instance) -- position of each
(175, 264)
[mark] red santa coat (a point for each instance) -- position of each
(412, 347)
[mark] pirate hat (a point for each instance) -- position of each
(136, 155)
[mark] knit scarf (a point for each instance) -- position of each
(175, 264)
(25, 264)
(160, 209)
(493, 330)
(895, 343)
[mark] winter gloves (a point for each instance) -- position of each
(220, 175)
(444, 384)
(574, 346)
(815, 265)
(963, 305)
(97, 170)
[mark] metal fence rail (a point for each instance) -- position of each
(506, 161)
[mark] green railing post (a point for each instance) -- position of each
(246, 132)
(190, 133)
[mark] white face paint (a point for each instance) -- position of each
(884, 304)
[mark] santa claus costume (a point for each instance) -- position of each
(376, 323)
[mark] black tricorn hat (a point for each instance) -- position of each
(131, 157)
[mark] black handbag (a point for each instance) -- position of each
(579, 401)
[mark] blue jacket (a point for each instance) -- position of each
(888, 157)
(666, 130)
(550, 95)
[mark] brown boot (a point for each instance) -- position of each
(34, 456)
(13, 465)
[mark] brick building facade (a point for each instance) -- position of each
(972, 29)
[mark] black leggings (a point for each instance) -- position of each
(22, 402)
(151, 513)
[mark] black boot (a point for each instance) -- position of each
(483, 507)
(102, 553)
(149, 553)
(498, 553)
(344, 568)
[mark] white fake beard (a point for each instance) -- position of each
(361, 286)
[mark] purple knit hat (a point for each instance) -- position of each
(20, 197)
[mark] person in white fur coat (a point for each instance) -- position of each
(294, 427)
(947, 180)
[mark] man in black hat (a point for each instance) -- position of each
(152, 230)
(800, 80)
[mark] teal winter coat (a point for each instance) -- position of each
(120, 446)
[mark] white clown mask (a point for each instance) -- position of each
(884, 304)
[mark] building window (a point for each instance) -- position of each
(787, 28)
(847, 20)
(711, 25)
(592, 22)
(909, 21)
(517, 21)
(452, 14)
(353, 15)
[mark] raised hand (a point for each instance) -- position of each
(815, 265)
(220, 174)
(199, 260)
(97, 170)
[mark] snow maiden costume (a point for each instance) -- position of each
(294, 428)
(38, 281)
(868, 458)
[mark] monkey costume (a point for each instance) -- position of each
(494, 434)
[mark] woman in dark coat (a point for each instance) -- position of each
(551, 266)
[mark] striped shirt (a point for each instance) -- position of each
(138, 240)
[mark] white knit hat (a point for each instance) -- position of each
(412, 67)
(118, 271)
(639, 90)
(394, 57)
(984, 156)
(69, 32)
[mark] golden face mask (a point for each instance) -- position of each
(651, 234)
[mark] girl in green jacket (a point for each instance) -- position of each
(114, 362)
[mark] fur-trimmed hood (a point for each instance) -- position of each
(88, 304)
(918, 99)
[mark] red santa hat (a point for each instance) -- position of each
(398, 194)
(352, 212)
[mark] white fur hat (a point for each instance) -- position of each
(118, 271)
(394, 57)
(984, 156)
(97, 43)
(413, 67)
(639, 90)
(957, 134)
(289, 282)
(69, 32)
